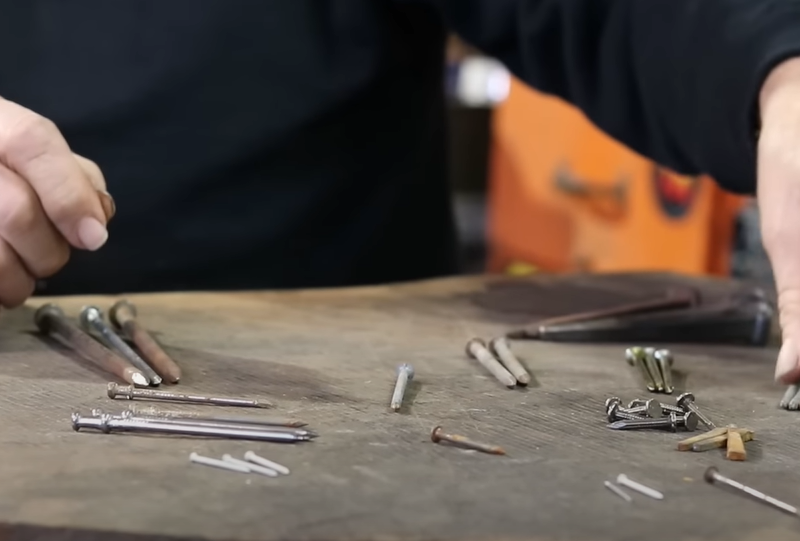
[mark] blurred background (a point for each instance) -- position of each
(526, 167)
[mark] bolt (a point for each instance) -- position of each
(405, 373)
(612, 400)
(478, 351)
(686, 403)
(92, 319)
(636, 357)
(672, 423)
(712, 476)
(650, 408)
(117, 391)
(652, 367)
(437, 436)
(615, 413)
(663, 359)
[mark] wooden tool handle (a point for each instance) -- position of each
(735, 450)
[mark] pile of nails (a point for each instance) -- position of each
(498, 359)
(645, 413)
(654, 367)
(252, 463)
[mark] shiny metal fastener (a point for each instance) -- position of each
(636, 357)
(438, 436)
(673, 422)
(126, 392)
(652, 367)
(615, 413)
(150, 411)
(713, 476)
(210, 424)
(405, 373)
(650, 408)
(686, 403)
(108, 424)
(91, 319)
(663, 359)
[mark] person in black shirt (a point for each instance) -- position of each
(277, 144)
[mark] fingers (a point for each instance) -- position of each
(25, 228)
(32, 146)
(16, 284)
(779, 205)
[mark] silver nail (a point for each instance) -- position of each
(405, 373)
(664, 360)
(686, 403)
(129, 393)
(652, 367)
(626, 481)
(636, 357)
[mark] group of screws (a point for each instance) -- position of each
(98, 342)
(128, 421)
(499, 360)
(252, 463)
(654, 366)
(650, 413)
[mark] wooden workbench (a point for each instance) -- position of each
(329, 357)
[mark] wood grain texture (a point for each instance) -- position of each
(328, 357)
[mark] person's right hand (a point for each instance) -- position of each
(50, 200)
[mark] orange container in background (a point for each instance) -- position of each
(563, 196)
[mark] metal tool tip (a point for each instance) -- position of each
(616, 425)
(140, 380)
(155, 381)
(76, 420)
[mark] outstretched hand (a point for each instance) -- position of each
(779, 203)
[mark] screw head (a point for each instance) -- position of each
(664, 355)
(121, 305)
(636, 403)
(710, 474)
(612, 412)
(683, 399)
(436, 434)
(405, 367)
(89, 314)
(653, 408)
(76, 420)
(690, 421)
(632, 354)
(612, 400)
(45, 311)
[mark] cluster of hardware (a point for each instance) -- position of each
(652, 414)
(655, 367)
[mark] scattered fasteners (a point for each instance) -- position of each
(618, 491)
(129, 393)
(405, 373)
(502, 350)
(686, 403)
(626, 481)
(123, 316)
(478, 351)
(438, 436)
(50, 319)
(91, 319)
(713, 476)
(672, 423)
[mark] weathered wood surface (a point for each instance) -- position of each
(328, 357)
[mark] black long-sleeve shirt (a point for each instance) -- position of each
(289, 143)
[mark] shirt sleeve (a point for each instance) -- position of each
(675, 80)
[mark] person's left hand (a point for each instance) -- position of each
(779, 203)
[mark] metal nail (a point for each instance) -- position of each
(234, 419)
(91, 319)
(713, 476)
(650, 408)
(209, 424)
(663, 359)
(438, 436)
(405, 373)
(615, 413)
(686, 403)
(636, 357)
(108, 424)
(652, 367)
(125, 392)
